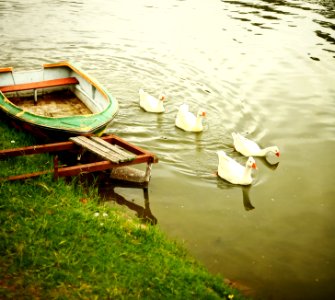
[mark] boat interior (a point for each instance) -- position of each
(60, 103)
(54, 92)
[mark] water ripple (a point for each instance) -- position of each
(261, 67)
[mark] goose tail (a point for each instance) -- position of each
(183, 107)
(221, 153)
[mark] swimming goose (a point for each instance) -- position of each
(250, 148)
(188, 121)
(150, 103)
(232, 171)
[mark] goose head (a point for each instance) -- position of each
(201, 113)
(251, 163)
(274, 150)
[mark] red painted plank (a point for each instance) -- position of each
(37, 149)
(25, 176)
(61, 146)
(5, 70)
(100, 166)
(39, 84)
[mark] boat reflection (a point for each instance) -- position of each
(108, 193)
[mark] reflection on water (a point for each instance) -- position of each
(107, 190)
(261, 67)
(271, 14)
(271, 162)
(246, 199)
(222, 184)
(108, 193)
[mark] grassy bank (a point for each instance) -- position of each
(58, 242)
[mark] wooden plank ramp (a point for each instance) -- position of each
(114, 152)
(103, 149)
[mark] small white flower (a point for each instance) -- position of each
(12, 141)
(96, 214)
(105, 214)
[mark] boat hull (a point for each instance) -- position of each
(48, 134)
(102, 105)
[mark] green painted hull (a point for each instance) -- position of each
(49, 134)
(57, 128)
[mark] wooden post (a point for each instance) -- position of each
(148, 172)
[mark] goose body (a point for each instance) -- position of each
(250, 148)
(188, 121)
(232, 171)
(150, 103)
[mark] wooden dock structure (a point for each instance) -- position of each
(110, 153)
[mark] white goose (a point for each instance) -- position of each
(150, 103)
(188, 121)
(250, 148)
(232, 171)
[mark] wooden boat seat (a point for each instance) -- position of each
(39, 84)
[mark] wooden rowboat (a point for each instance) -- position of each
(56, 102)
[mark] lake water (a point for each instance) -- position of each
(262, 68)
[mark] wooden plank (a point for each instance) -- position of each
(79, 169)
(86, 143)
(99, 149)
(37, 149)
(129, 147)
(114, 148)
(6, 70)
(98, 166)
(142, 156)
(39, 84)
(25, 176)
(105, 146)
(69, 145)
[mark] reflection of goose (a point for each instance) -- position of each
(188, 121)
(245, 192)
(270, 162)
(250, 148)
(246, 199)
(150, 103)
(232, 171)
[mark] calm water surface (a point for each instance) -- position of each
(263, 68)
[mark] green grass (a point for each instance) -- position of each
(54, 246)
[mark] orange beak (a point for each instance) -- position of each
(203, 114)
(278, 154)
(254, 166)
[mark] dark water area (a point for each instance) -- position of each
(262, 68)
